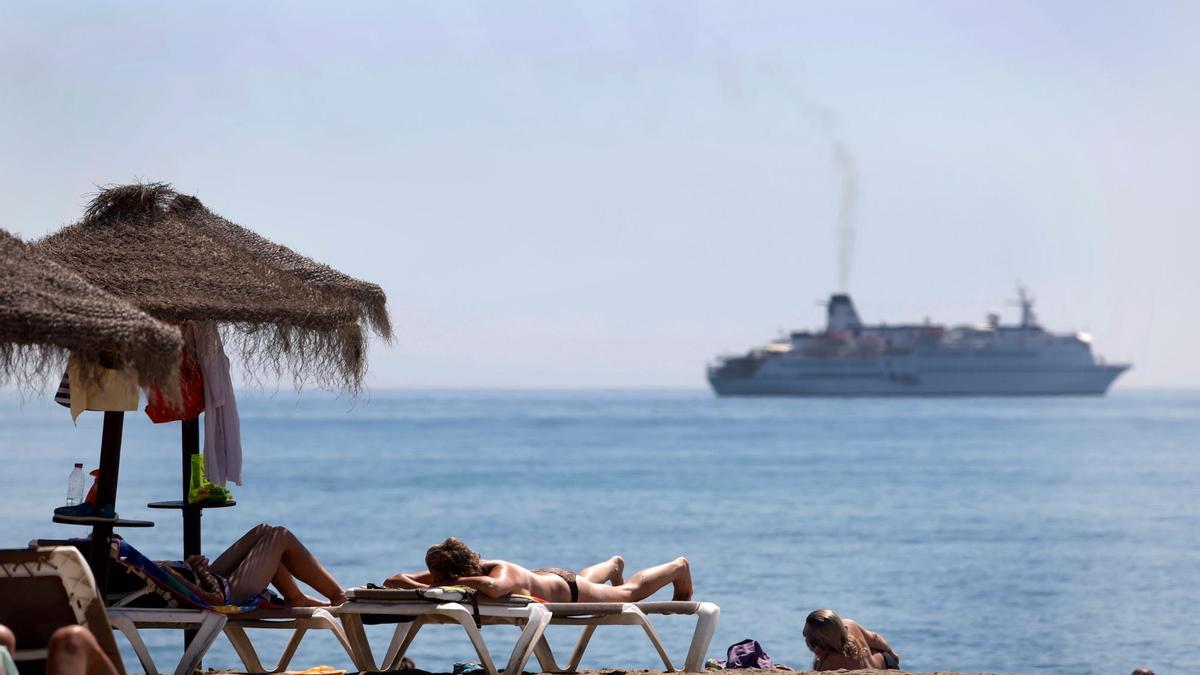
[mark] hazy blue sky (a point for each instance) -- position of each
(608, 194)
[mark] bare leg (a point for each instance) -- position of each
(277, 548)
(7, 639)
(642, 584)
(285, 583)
(611, 571)
(73, 650)
(228, 561)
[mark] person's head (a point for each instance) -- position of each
(825, 634)
(452, 559)
(1143, 671)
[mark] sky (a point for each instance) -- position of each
(609, 194)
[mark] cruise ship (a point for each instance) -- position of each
(850, 358)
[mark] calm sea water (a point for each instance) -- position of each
(976, 534)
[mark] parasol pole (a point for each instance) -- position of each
(106, 493)
(191, 512)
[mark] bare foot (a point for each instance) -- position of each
(618, 575)
(303, 600)
(683, 580)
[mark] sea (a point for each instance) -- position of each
(976, 534)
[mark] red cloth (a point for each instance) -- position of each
(191, 385)
(91, 498)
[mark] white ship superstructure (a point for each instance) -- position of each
(850, 358)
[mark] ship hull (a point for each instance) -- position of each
(876, 379)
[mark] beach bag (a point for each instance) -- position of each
(748, 654)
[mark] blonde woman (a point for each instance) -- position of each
(839, 643)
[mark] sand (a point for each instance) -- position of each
(640, 671)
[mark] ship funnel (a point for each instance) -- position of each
(841, 315)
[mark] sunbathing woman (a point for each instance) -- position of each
(839, 644)
(454, 563)
(267, 554)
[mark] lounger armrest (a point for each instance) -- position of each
(584, 608)
(669, 607)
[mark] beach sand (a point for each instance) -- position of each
(640, 671)
(774, 671)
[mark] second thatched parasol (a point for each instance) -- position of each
(48, 312)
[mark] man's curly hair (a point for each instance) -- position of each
(452, 559)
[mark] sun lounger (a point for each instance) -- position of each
(412, 610)
(180, 613)
(591, 615)
(44, 589)
(209, 625)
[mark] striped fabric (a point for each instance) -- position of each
(63, 396)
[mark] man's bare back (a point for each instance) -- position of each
(501, 574)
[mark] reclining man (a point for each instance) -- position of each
(453, 563)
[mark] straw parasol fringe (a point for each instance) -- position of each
(48, 312)
(370, 297)
(329, 359)
(134, 245)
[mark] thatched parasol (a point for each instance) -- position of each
(135, 243)
(370, 297)
(176, 260)
(47, 312)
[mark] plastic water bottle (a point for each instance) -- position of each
(75, 486)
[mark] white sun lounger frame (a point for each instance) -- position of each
(209, 625)
(532, 618)
(592, 615)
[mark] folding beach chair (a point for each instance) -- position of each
(411, 610)
(43, 589)
(591, 615)
(62, 563)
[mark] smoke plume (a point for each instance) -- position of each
(737, 82)
(843, 162)
(847, 172)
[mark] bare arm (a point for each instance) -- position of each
(876, 642)
(414, 580)
(211, 597)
